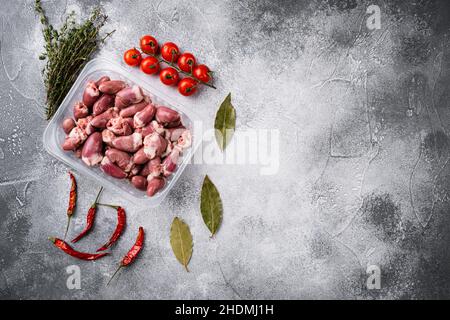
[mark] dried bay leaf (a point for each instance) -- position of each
(181, 241)
(211, 205)
(225, 122)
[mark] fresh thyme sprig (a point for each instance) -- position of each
(67, 51)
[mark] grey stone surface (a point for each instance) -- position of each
(364, 174)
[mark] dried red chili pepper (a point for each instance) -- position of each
(72, 201)
(89, 218)
(135, 249)
(121, 220)
(132, 253)
(64, 246)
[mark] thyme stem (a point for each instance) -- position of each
(67, 51)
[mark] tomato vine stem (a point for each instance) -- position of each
(181, 71)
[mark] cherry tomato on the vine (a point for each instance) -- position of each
(187, 86)
(149, 45)
(169, 76)
(132, 57)
(170, 52)
(150, 65)
(186, 62)
(202, 73)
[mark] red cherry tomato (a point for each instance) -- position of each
(149, 45)
(170, 52)
(132, 57)
(186, 62)
(187, 86)
(150, 65)
(202, 73)
(169, 76)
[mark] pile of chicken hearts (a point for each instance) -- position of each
(117, 126)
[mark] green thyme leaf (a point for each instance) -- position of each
(225, 123)
(211, 206)
(181, 241)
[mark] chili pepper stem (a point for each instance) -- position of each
(98, 196)
(67, 227)
(114, 274)
(108, 205)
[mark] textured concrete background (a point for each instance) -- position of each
(364, 173)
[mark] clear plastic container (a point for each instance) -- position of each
(54, 134)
